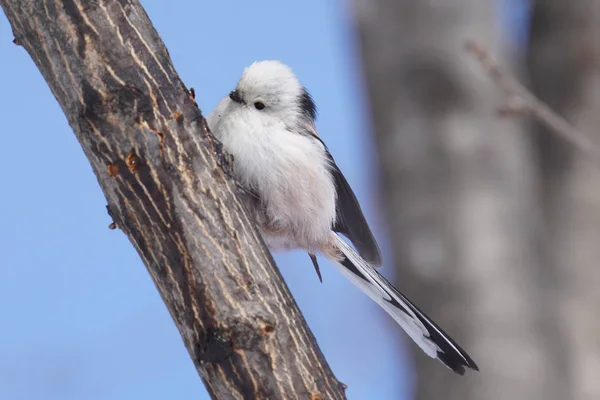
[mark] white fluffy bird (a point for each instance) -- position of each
(301, 199)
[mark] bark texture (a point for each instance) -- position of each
(460, 186)
(155, 161)
(563, 64)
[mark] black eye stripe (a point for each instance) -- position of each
(307, 105)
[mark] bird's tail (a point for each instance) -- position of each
(425, 333)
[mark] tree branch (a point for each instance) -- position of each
(519, 100)
(154, 159)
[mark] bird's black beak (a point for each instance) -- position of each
(236, 96)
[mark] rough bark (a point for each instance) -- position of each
(147, 143)
(563, 65)
(460, 191)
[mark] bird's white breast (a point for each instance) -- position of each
(289, 171)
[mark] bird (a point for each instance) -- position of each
(301, 199)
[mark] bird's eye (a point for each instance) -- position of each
(259, 105)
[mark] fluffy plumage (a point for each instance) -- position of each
(303, 199)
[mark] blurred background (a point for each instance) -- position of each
(489, 224)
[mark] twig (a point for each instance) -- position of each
(519, 100)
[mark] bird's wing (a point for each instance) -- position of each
(350, 220)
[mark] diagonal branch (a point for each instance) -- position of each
(155, 161)
(519, 100)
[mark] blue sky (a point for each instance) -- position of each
(80, 317)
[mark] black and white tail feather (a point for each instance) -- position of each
(421, 329)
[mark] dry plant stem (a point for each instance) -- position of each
(519, 100)
(155, 162)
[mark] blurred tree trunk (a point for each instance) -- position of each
(563, 63)
(461, 193)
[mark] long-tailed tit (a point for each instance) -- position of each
(301, 198)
